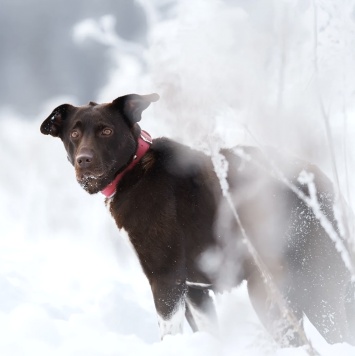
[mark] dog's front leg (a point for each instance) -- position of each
(169, 298)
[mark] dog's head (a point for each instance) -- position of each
(100, 139)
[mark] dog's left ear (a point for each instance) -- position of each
(132, 105)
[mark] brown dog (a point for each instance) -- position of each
(168, 198)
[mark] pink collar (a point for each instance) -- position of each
(144, 142)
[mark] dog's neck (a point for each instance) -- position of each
(144, 142)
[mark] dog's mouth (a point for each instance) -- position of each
(92, 182)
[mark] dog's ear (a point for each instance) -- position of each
(52, 125)
(132, 105)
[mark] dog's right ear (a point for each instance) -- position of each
(53, 124)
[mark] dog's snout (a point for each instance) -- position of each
(84, 159)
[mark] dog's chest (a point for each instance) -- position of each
(123, 232)
(110, 206)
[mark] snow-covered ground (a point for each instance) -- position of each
(232, 72)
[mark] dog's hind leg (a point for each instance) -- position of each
(331, 322)
(200, 310)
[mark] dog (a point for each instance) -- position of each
(188, 237)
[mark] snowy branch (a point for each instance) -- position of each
(221, 168)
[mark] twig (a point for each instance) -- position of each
(324, 221)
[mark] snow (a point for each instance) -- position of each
(70, 283)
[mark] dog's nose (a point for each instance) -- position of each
(84, 160)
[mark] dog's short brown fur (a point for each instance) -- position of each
(185, 234)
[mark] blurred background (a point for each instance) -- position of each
(275, 73)
(40, 58)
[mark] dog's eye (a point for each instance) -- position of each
(74, 134)
(106, 132)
